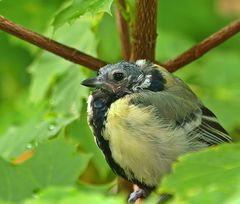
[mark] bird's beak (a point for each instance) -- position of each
(92, 82)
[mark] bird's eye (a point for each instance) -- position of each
(118, 76)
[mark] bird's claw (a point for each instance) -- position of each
(137, 194)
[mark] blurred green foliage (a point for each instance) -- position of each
(212, 180)
(43, 106)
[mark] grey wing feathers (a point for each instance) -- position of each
(211, 131)
(189, 115)
(168, 106)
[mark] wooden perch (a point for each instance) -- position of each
(123, 30)
(52, 46)
(203, 47)
(81, 58)
(144, 34)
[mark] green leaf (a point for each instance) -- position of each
(109, 42)
(41, 127)
(44, 71)
(99, 188)
(73, 9)
(72, 195)
(209, 176)
(80, 132)
(53, 163)
(48, 67)
(67, 94)
(12, 72)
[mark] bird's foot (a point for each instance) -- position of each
(137, 194)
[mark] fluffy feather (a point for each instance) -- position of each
(145, 118)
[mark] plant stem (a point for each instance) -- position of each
(123, 30)
(203, 47)
(52, 46)
(144, 33)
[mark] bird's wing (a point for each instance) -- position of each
(188, 115)
(211, 131)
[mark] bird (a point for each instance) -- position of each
(143, 118)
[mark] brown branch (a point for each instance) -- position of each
(203, 47)
(123, 30)
(52, 46)
(78, 57)
(144, 33)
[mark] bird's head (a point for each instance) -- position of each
(127, 77)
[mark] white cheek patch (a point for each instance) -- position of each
(141, 62)
(147, 82)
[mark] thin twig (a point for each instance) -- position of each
(203, 47)
(52, 46)
(144, 33)
(123, 30)
(78, 57)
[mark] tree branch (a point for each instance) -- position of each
(144, 34)
(123, 29)
(203, 47)
(52, 46)
(81, 58)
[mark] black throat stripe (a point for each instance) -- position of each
(101, 102)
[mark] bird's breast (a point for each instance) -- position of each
(98, 105)
(139, 143)
(136, 143)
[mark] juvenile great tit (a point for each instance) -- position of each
(143, 118)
